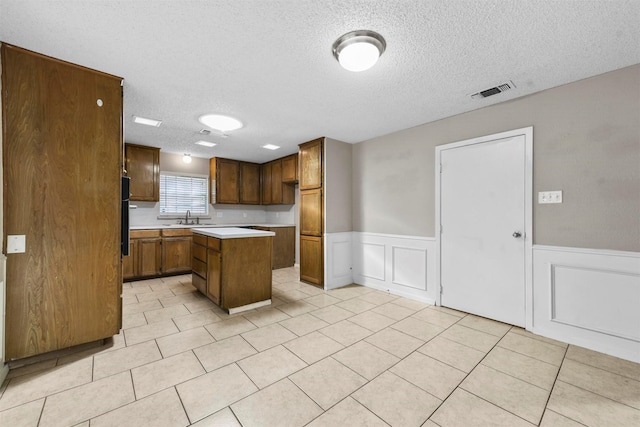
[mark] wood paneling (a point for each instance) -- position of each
(311, 260)
(62, 162)
(176, 254)
(249, 183)
(311, 164)
(290, 169)
(143, 167)
(311, 212)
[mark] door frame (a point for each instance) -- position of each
(527, 132)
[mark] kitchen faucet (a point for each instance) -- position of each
(186, 217)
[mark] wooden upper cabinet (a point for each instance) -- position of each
(266, 183)
(311, 164)
(276, 182)
(143, 167)
(225, 177)
(249, 183)
(290, 169)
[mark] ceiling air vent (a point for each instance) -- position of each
(205, 132)
(494, 90)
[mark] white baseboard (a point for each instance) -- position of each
(401, 265)
(589, 298)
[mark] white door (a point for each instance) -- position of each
(482, 218)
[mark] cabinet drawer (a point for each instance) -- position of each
(199, 283)
(176, 232)
(144, 234)
(200, 239)
(213, 243)
(199, 267)
(199, 252)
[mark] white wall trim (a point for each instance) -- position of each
(589, 298)
(338, 266)
(528, 210)
(401, 265)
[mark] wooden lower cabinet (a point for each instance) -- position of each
(311, 260)
(156, 252)
(284, 246)
(237, 272)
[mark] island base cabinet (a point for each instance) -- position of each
(214, 275)
(246, 271)
(311, 260)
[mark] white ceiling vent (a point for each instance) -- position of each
(205, 132)
(494, 90)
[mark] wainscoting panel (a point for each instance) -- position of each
(338, 255)
(589, 298)
(401, 265)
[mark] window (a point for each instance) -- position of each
(179, 193)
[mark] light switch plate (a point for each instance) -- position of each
(545, 197)
(16, 244)
(218, 214)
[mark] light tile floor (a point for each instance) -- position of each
(349, 357)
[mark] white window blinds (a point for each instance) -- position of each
(179, 193)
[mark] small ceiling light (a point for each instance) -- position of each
(148, 122)
(359, 50)
(220, 122)
(270, 147)
(206, 143)
(186, 158)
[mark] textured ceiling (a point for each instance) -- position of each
(269, 63)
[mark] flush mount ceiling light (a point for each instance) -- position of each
(206, 143)
(220, 122)
(271, 147)
(148, 122)
(187, 158)
(359, 50)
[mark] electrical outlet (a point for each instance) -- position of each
(218, 214)
(545, 197)
(244, 214)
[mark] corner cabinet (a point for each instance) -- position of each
(142, 165)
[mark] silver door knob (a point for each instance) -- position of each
(517, 234)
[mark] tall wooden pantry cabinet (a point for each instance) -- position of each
(62, 163)
(311, 212)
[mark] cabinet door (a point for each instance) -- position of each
(130, 263)
(143, 167)
(249, 183)
(149, 257)
(284, 247)
(176, 254)
(227, 181)
(311, 164)
(290, 169)
(214, 275)
(311, 212)
(266, 184)
(276, 182)
(311, 260)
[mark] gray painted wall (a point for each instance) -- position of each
(586, 143)
(337, 186)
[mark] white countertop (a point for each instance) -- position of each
(231, 232)
(161, 226)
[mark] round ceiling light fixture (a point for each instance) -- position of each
(359, 50)
(186, 158)
(220, 122)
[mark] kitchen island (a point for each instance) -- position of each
(232, 266)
